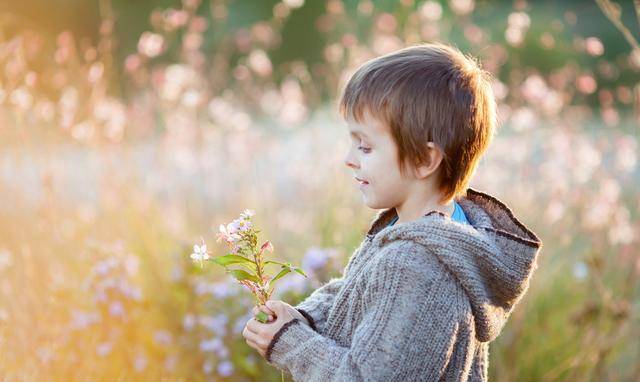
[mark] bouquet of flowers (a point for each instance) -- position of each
(242, 239)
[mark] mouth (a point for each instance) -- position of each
(361, 181)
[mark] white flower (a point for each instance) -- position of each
(200, 253)
(247, 214)
(228, 233)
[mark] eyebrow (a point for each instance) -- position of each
(358, 134)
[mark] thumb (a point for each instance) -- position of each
(275, 306)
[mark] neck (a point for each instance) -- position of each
(414, 208)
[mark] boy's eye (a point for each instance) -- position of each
(365, 150)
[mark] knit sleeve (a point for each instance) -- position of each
(315, 308)
(410, 323)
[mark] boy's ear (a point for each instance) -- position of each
(430, 164)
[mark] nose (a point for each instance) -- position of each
(349, 161)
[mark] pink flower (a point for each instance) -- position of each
(228, 233)
(266, 246)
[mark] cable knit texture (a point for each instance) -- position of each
(417, 301)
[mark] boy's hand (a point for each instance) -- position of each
(293, 311)
(259, 335)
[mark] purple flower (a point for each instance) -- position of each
(221, 290)
(212, 345)
(217, 324)
(225, 368)
(207, 367)
(188, 321)
(315, 258)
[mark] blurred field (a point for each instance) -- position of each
(131, 131)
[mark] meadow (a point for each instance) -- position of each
(125, 141)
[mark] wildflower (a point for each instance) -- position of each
(225, 368)
(188, 321)
(242, 238)
(200, 253)
(116, 309)
(216, 324)
(244, 225)
(580, 270)
(207, 367)
(228, 233)
(266, 246)
(315, 258)
(214, 344)
(162, 337)
(247, 214)
(234, 226)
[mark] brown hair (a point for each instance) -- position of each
(428, 93)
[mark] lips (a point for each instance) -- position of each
(361, 181)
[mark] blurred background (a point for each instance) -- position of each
(129, 129)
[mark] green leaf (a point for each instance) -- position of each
(234, 259)
(277, 262)
(287, 265)
(299, 271)
(240, 275)
(280, 274)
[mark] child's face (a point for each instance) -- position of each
(372, 157)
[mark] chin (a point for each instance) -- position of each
(375, 205)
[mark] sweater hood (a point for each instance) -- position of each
(492, 259)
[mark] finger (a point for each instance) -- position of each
(251, 330)
(255, 339)
(255, 326)
(274, 305)
(281, 310)
(256, 346)
(247, 333)
(251, 344)
(266, 309)
(270, 315)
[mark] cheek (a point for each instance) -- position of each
(380, 165)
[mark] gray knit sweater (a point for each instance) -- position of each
(417, 301)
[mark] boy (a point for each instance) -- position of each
(442, 265)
